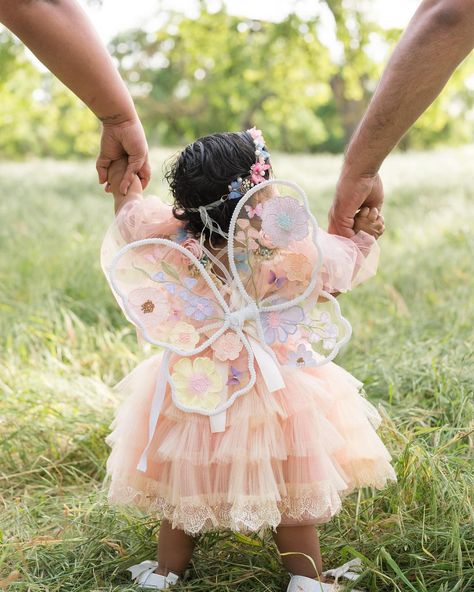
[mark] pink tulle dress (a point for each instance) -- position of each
(302, 436)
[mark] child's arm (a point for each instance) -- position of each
(115, 175)
(367, 220)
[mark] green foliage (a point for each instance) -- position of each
(39, 116)
(63, 341)
(193, 76)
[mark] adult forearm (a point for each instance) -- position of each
(61, 35)
(439, 36)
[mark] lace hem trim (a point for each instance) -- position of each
(246, 515)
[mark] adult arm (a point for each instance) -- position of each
(439, 36)
(61, 35)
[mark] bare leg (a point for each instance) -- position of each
(303, 539)
(175, 549)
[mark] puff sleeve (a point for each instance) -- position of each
(139, 218)
(347, 262)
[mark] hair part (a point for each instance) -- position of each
(202, 172)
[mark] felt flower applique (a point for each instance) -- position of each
(196, 307)
(197, 383)
(184, 336)
(302, 357)
(150, 305)
(227, 346)
(284, 219)
(278, 324)
(324, 331)
(194, 247)
(247, 235)
(297, 267)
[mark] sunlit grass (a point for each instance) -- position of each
(63, 341)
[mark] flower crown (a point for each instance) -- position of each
(239, 187)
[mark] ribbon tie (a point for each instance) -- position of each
(267, 363)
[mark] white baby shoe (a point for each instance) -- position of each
(304, 584)
(143, 575)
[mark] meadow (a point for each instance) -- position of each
(64, 343)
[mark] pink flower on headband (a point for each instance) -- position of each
(258, 172)
(256, 134)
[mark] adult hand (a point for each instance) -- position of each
(127, 139)
(352, 193)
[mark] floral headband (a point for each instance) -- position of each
(239, 187)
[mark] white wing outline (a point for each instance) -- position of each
(228, 323)
(314, 275)
(233, 319)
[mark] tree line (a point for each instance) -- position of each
(193, 76)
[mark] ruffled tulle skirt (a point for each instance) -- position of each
(287, 457)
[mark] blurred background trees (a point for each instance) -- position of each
(193, 76)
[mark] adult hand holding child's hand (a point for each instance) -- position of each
(119, 140)
(353, 192)
(370, 221)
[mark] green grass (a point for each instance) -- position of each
(63, 341)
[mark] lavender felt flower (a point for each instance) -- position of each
(197, 307)
(301, 357)
(278, 324)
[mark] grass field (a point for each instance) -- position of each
(63, 341)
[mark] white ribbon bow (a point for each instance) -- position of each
(266, 362)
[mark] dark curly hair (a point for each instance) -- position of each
(201, 174)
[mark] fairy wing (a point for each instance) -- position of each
(165, 287)
(284, 263)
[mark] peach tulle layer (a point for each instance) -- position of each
(287, 457)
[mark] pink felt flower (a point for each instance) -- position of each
(184, 336)
(150, 305)
(194, 247)
(284, 219)
(265, 240)
(258, 172)
(248, 235)
(227, 347)
(297, 267)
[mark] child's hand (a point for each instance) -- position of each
(115, 175)
(369, 220)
